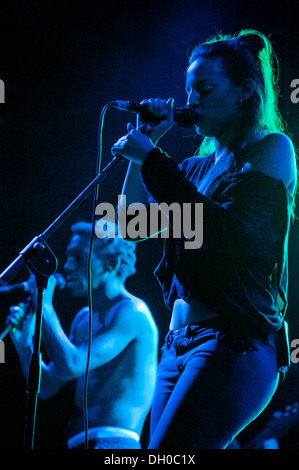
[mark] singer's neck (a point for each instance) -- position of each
(105, 297)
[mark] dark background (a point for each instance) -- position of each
(61, 62)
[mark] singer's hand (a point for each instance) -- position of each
(16, 316)
(49, 292)
(23, 325)
(134, 146)
(158, 108)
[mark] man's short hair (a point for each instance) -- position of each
(120, 251)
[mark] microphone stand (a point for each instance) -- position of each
(41, 261)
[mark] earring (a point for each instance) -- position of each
(241, 103)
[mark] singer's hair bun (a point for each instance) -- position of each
(253, 40)
(235, 45)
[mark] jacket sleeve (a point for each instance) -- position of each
(247, 219)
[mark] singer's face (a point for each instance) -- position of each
(76, 267)
(211, 93)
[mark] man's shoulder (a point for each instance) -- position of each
(135, 311)
(131, 305)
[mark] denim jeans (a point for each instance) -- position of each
(209, 387)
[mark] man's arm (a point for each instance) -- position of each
(122, 325)
(22, 337)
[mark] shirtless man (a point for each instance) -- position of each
(123, 357)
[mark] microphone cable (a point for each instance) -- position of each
(89, 276)
(95, 197)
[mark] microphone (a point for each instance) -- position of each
(183, 117)
(29, 285)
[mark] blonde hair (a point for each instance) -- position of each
(121, 252)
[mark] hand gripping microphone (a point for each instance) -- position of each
(183, 117)
(26, 287)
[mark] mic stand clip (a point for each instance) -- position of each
(43, 264)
